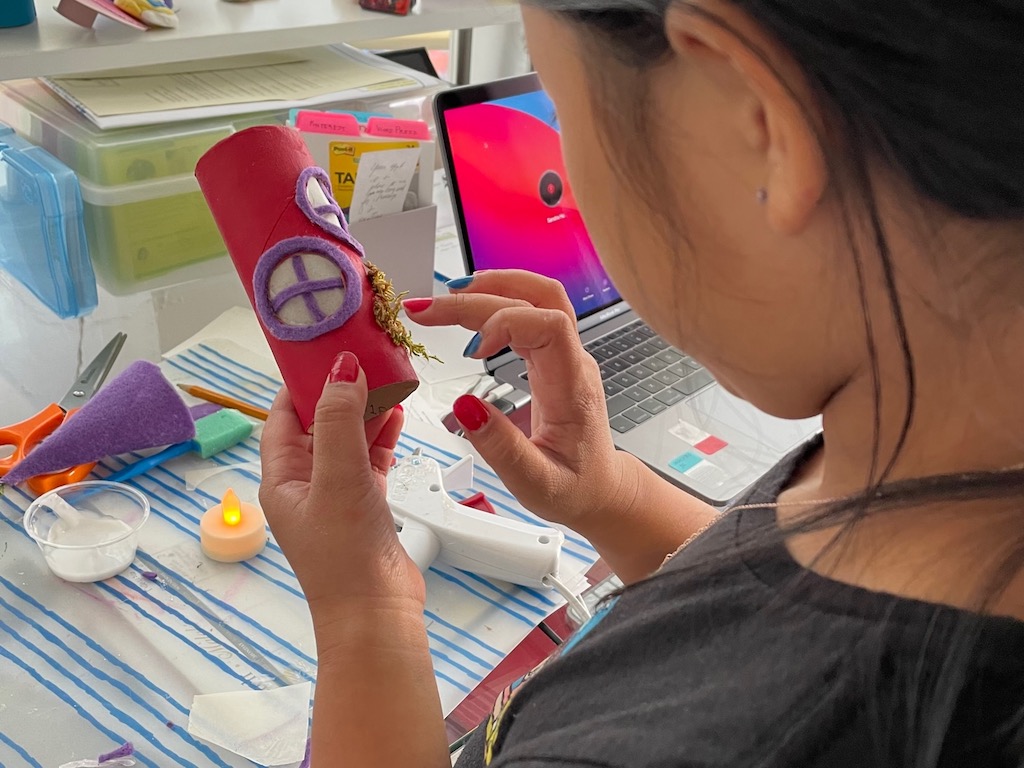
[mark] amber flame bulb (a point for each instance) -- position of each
(232, 508)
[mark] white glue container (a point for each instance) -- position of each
(88, 531)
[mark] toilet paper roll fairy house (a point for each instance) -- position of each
(313, 289)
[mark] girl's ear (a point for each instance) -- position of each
(777, 121)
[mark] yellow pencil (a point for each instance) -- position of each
(228, 402)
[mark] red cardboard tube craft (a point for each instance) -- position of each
(314, 292)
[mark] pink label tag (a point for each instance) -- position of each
(398, 129)
(327, 122)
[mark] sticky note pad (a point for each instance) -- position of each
(686, 462)
(711, 445)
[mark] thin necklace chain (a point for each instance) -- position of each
(767, 505)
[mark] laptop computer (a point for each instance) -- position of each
(514, 209)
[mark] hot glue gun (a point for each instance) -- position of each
(436, 527)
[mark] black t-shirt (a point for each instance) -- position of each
(757, 661)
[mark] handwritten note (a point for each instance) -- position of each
(382, 183)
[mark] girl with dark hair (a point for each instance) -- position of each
(822, 202)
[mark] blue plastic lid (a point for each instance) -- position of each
(42, 231)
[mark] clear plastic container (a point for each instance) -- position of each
(151, 234)
(417, 105)
(87, 531)
(106, 157)
(147, 223)
(145, 219)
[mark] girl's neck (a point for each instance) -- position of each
(968, 417)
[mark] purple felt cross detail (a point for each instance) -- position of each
(306, 288)
(318, 214)
(293, 248)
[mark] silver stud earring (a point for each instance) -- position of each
(762, 195)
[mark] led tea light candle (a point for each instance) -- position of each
(232, 531)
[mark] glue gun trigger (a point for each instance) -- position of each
(459, 476)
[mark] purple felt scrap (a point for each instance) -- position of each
(293, 248)
(203, 409)
(138, 409)
(125, 750)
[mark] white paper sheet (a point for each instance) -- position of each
(448, 259)
(382, 183)
(267, 727)
(120, 98)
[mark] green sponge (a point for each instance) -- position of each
(219, 431)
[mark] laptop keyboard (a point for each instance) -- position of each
(643, 375)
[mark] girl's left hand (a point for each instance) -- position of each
(325, 499)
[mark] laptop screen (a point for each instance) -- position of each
(515, 205)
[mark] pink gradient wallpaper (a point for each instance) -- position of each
(517, 204)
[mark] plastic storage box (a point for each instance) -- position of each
(148, 224)
(42, 235)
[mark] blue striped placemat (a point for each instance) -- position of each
(121, 660)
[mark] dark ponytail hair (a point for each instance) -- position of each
(934, 91)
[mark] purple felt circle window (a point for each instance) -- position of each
(300, 285)
(318, 214)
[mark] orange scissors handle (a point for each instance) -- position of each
(46, 483)
(27, 434)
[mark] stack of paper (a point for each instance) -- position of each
(233, 85)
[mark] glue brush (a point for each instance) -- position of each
(214, 433)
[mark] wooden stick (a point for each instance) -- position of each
(228, 402)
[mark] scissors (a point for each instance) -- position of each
(27, 434)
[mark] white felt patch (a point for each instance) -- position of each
(296, 311)
(315, 195)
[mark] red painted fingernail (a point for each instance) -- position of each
(399, 408)
(471, 412)
(345, 369)
(417, 305)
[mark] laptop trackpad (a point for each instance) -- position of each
(714, 407)
(715, 444)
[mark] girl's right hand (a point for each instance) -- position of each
(568, 471)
